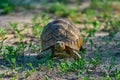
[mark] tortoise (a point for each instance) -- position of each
(60, 38)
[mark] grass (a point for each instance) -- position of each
(59, 9)
(39, 23)
(18, 58)
(6, 6)
(17, 31)
(3, 38)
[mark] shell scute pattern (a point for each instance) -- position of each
(61, 30)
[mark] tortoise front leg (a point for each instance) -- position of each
(75, 54)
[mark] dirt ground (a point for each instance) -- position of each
(107, 50)
(54, 74)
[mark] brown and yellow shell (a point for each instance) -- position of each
(61, 30)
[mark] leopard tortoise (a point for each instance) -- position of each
(60, 38)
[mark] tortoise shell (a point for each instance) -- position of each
(61, 30)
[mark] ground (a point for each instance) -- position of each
(100, 57)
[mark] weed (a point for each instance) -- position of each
(84, 78)
(101, 5)
(2, 38)
(34, 47)
(31, 66)
(17, 31)
(21, 48)
(111, 70)
(47, 62)
(95, 60)
(6, 6)
(79, 64)
(47, 78)
(14, 77)
(61, 10)
(10, 55)
(113, 26)
(63, 67)
(66, 66)
(38, 24)
(118, 76)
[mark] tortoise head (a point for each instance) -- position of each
(59, 46)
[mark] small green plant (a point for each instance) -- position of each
(101, 5)
(90, 13)
(20, 46)
(90, 33)
(0, 75)
(38, 24)
(113, 26)
(77, 65)
(14, 77)
(95, 60)
(63, 67)
(61, 10)
(118, 76)
(34, 47)
(2, 38)
(10, 55)
(84, 78)
(31, 66)
(30, 69)
(17, 31)
(111, 69)
(47, 61)
(6, 6)
(47, 78)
